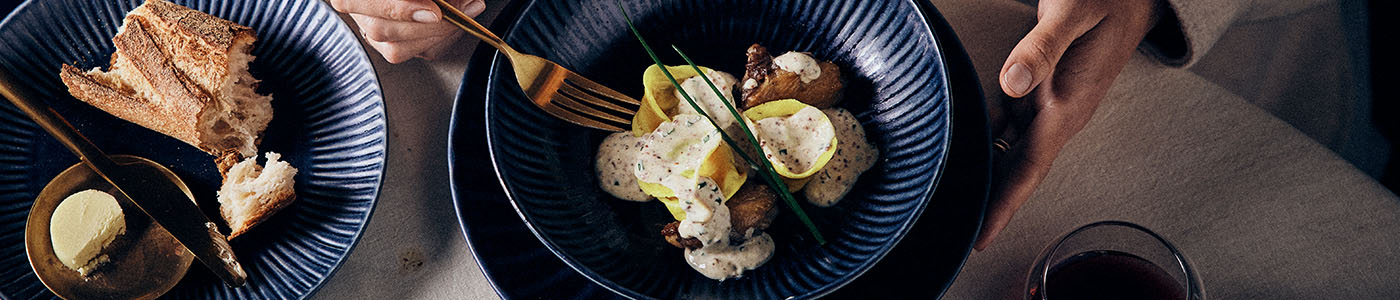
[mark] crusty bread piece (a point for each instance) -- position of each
(183, 73)
(252, 193)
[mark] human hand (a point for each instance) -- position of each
(1063, 68)
(404, 29)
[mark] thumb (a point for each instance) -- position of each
(1034, 58)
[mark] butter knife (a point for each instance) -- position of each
(148, 186)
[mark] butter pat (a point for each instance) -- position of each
(82, 225)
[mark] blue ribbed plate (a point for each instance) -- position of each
(329, 123)
(898, 87)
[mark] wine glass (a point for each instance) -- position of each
(1112, 260)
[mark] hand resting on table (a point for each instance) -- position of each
(1056, 76)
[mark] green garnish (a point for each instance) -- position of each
(772, 178)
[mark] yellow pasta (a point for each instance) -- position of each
(788, 140)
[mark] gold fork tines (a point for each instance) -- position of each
(553, 88)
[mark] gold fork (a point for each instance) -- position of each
(557, 90)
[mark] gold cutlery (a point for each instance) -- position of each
(558, 91)
(141, 183)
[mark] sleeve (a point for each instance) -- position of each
(1187, 29)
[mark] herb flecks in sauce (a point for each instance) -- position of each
(616, 154)
(796, 142)
(709, 222)
(854, 156)
(709, 101)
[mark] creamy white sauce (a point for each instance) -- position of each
(617, 157)
(803, 65)
(796, 141)
(674, 151)
(707, 220)
(706, 98)
(853, 156)
(706, 217)
(731, 261)
(671, 154)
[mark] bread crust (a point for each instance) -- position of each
(183, 99)
(251, 193)
(194, 40)
(183, 73)
(181, 58)
(123, 103)
(212, 30)
(281, 200)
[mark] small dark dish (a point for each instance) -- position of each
(329, 123)
(898, 87)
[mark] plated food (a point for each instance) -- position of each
(184, 73)
(677, 155)
(585, 242)
(329, 124)
(82, 226)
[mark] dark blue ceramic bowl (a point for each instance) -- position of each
(897, 86)
(329, 123)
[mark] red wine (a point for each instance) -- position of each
(1110, 275)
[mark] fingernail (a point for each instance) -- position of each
(1018, 78)
(425, 16)
(475, 6)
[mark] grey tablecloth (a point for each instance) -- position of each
(1264, 211)
(413, 247)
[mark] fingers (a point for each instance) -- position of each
(1084, 75)
(1059, 109)
(1063, 104)
(439, 49)
(420, 11)
(385, 30)
(397, 52)
(1035, 57)
(472, 8)
(1020, 171)
(400, 41)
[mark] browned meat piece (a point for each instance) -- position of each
(772, 83)
(760, 63)
(751, 208)
(673, 236)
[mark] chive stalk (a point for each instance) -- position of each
(771, 176)
(774, 179)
